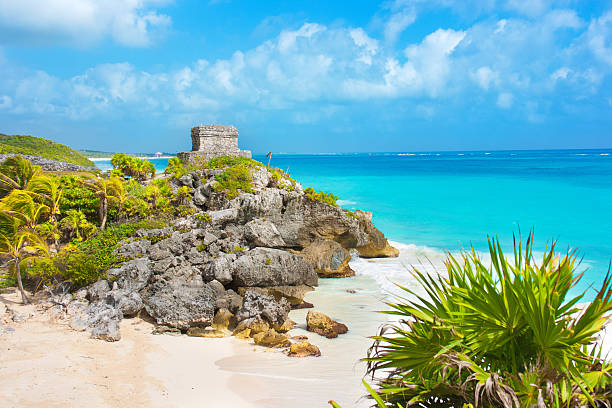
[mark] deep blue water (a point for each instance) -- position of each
(450, 200)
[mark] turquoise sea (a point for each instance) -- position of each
(432, 202)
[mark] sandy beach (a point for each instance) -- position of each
(45, 363)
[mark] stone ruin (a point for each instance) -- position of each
(213, 141)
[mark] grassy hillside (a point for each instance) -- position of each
(37, 146)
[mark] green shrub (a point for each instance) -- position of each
(203, 218)
(268, 261)
(222, 162)
(133, 167)
(492, 336)
(327, 198)
(37, 146)
(86, 262)
(201, 247)
(177, 168)
(239, 248)
(233, 180)
(76, 196)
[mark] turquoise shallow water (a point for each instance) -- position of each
(449, 200)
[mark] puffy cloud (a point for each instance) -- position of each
(485, 77)
(81, 22)
(600, 38)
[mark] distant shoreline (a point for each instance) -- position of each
(143, 157)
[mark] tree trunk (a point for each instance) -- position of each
(103, 212)
(24, 298)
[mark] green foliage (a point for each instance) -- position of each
(203, 218)
(16, 173)
(77, 225)
(183, 194)
(239, 248)
(201, 247)
(222, 162)
(268, 261)
(351, 214)
(86, 262)
(500, 335)
(234, 179)
(133, 167)
(36, 146)
(327, 198)
(76, 196)
(282, 179)
(177, 168)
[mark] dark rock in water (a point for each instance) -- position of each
(100, 319)
(132, 275)
(259, 305)
(329, 259)
(128, 302)
(272, 267)
(319, 323)
(98, 290)
(50, 165)
(182, 306)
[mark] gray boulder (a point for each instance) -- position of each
(186, 180)
(259, 305)
(222, 217)
(230, 301)
(128, 302)
(220, 268)
(132, 275)
(263, 233)
(199, 198)
(98, 290)
(272, 267)
(101, 320)
(134, 249)
(182, 306)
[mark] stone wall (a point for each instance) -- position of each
(213, 141)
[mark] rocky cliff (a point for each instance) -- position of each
(248, 259)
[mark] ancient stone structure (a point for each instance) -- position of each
(213, 141)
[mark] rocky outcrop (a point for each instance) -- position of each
(237, 264)
(329, 259)
(100, 319)
(271, 339)
(182, 306)
(303, 349)
(49, 164)
(377, 246)
(321, 324)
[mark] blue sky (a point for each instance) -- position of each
(309, 76)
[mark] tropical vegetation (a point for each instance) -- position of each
(36, 146)
(504, 333)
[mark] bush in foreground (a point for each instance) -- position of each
(505, 335)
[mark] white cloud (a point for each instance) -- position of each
(600, 37)
(369, 45)
(505, 100)
(561, 73)
(81, 22)
(398, 22)
(485, 77)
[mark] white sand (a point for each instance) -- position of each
(45, 363)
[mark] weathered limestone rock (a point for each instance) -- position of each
(271, 339)
(134, 249)
(272, 267)
(101, 320)
(220, 268)
(98, 290)
(127, 301)
(319, 323)
(230, 300)
(293, 294)
(329, 259)
(286, 326)
(182, 306)
(304, 349)
(254, 325)
(377, 246)
(244, 334)
(223, 319)
(260, 233)
(208, 332)
(266, 307)
(213, 141)
(132, 275)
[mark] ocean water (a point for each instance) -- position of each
(434, 202)
(427, 204)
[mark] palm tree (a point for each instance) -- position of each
(76, 222)
(104, 189)
(50, 191)
(21, 205)
(50, 231)
(23, 244)
(16, 172)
